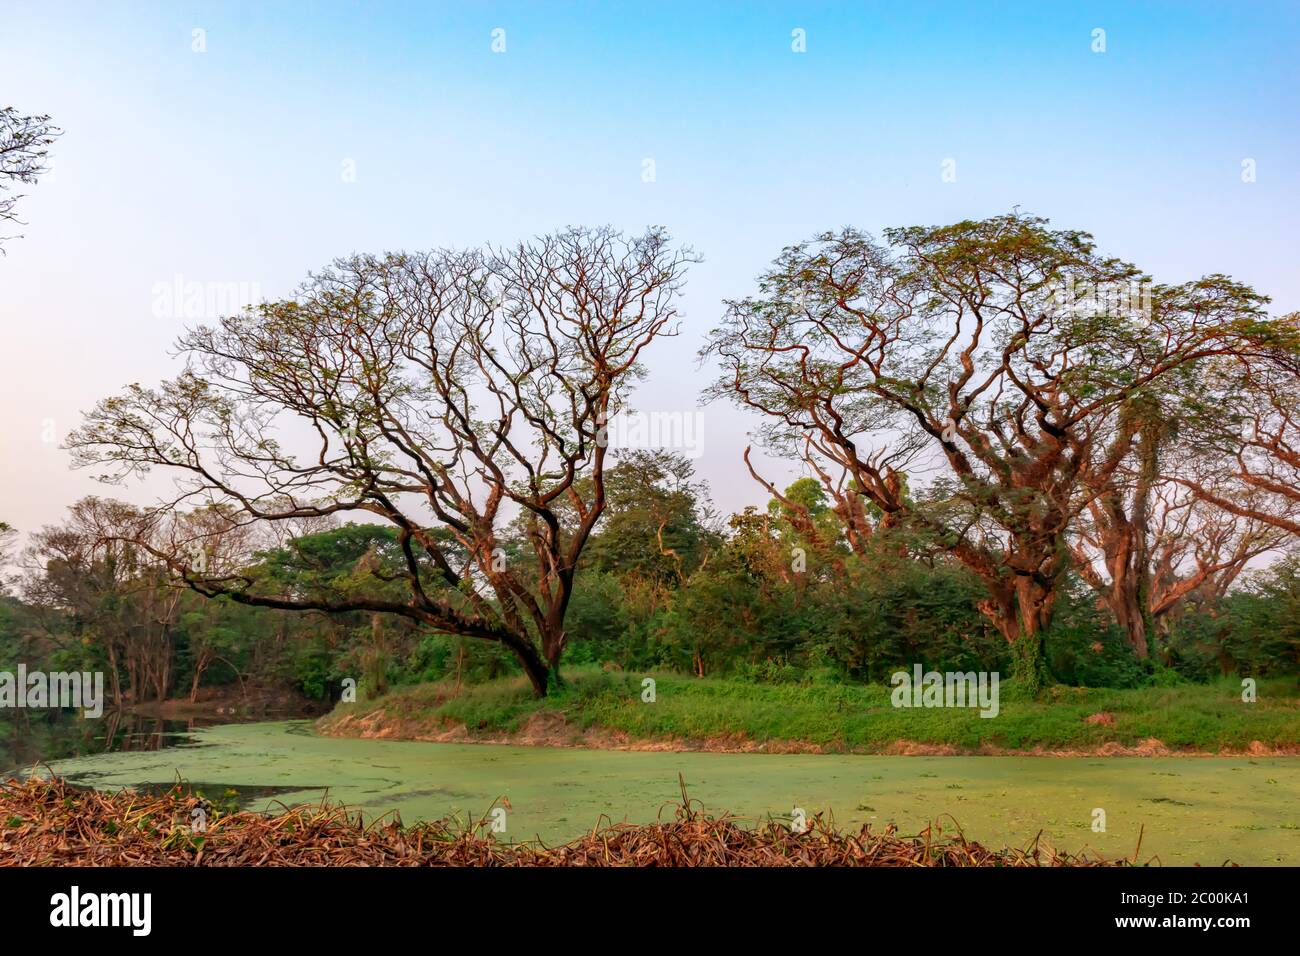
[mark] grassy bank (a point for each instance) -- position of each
(599, 708)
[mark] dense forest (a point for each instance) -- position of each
(664, 584)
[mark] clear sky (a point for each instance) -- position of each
(305, 131)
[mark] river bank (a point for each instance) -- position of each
(232, 702)
(610, 711)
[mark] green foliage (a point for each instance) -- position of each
(855, 716)
(654, 522)
(772, 602)
(1255, 631)
(1084, 649)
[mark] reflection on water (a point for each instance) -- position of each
(242, 794)
(30, 737)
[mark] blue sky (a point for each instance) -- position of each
(227, 166)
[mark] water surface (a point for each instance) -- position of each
(1194, 809)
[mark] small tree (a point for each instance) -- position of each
(100, 570)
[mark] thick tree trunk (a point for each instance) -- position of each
(539, 674)
(1126, 605)
(1034, 604)
(553, 648)
(1127, 551)
(1021, 615)
(1126, 596)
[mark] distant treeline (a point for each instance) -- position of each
(664, 583)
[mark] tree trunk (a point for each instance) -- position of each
(553, 648)
(199, 667)
(539, 675)
(114, 679)
(1126, 605)
(1021, 615)
(165, 667)
(1034, 604)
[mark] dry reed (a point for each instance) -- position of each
(49, 822)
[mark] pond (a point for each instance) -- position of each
(1204, 810)
(26, 738)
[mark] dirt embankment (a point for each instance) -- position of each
(552, 730)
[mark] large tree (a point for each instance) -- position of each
(993, 359)
(451, 394)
